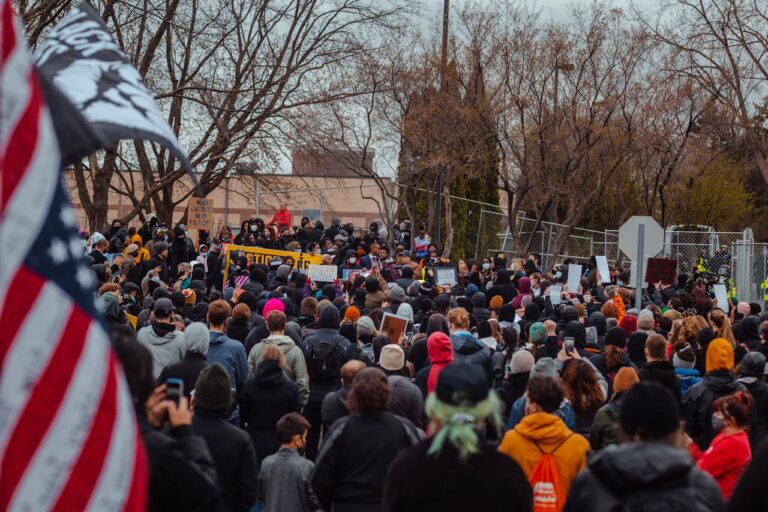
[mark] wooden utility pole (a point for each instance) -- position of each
(443, 86)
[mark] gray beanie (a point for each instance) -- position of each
(396, 294)
(283, 271)
(365, 326)
(522, 361)
(544, 367)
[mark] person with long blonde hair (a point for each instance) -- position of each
(721, 324)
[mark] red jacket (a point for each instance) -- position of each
(725, 459)
(282, 218)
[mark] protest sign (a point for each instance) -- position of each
(200, 213)
(602, 267)
(721, 294)
(662, 270)
(393, 326)
(446, 275)
(574, 278)
(322, 273)
(301, 260)
(555, 296)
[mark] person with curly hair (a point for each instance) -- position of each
(351, 467)
(584, 393)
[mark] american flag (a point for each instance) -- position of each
(68, 433)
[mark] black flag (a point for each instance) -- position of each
(82, 60)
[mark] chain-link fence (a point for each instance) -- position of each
(750, 271)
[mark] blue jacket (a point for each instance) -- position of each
(565, 412)
(231, 355)
(688, 377)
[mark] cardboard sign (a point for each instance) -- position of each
(574, 278)
(555, 296)
(602, 267)
(393, 326)
(200, 213)
(446, 275)
(661, 269)
(322, 273)
(301, 260)
(721, 294)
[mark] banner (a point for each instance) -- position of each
(301, 260)
(200, 213)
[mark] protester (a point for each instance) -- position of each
(284, 477)
(648, 471)
(729, 452)
(584, 393)
(752, 376)
(351, 467)
(192, 364)
(605, 426)
(657, 368)
(295, 365)
(546, 449)
(453, 470)
(335, 403)
(325, 353)
(467, 348)
(224, 350)
(684, 361)
(266, 397)
(440, 353)
(166, 344)
(230, 446)
(405, 398)
(181, 471)
(719, 381)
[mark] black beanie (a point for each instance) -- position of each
(616, 336)
(578, 332)
(649, 410)
(178, 300)
(462, 384)
(213, 390)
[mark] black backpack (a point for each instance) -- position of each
(324, 361)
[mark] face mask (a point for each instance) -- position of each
(316, 251)
(352, 260)
(225, 238)
(486, 266)
(718, 423)
(155, 279)
(620, 283)
(536, 292)
(254, 229)
(558, 274)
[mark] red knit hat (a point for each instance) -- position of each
(629, 324)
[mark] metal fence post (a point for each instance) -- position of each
(479, 226)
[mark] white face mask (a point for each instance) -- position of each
(316, 251)
(352, 260)
(254, 228)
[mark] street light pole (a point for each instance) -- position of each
(443, 87)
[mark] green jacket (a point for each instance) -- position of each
(605, 427)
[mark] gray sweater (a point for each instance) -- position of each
(284, 483)
(166, 348)
(295, 364)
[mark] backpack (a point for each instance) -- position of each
(324, 361)
(548, 491)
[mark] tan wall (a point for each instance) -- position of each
(236, 199)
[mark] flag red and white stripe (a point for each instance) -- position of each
(68, 433)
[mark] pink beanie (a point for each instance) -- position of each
(273, 305)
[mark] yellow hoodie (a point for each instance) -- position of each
(719, 355)
(548, 431)
(143, 254)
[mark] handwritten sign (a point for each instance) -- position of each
(200, 213)
(393, 326)
(446, 275)
(322, 273)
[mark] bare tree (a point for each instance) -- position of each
(230, 75)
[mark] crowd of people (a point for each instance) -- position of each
(289, 396)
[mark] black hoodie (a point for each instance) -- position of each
(502, 286)
(654, 471)
(662, 372)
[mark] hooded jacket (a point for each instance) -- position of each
(295, 365)
(649, 468)
(193, 362)
(265, 398)
(479, 307)
(166, 344)
(718, 381)
(502, 286)
(523, 289)
(231, 355)
(747, 331)
(662, 372)
(547, 431)
(468, 349)
(440, 352)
